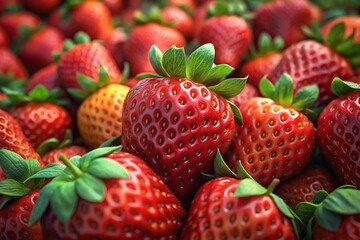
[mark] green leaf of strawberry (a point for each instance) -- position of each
(200, 62)
(340, 87)
(83, 178)
(13, 188)
(174, 61)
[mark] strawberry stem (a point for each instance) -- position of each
(74, 170)
(272, 186)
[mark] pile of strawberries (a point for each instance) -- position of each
(179, 119)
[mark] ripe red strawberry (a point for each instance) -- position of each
(175, 123)
(200, 16)
(352, 23)
(276, 139)
(37, 50)
(4, 39)
(247, 93)
(85, 58)
(13, 138)
(332, 216)
(338, 132)
(11, 65)
(41, 6)
(108, 196)
(38, 114)
(46, 76)
(56, 20)
(230, 34)
(311, 62)
(283, 18)
(140, 40)
(13, 22)
(263, 60)
(115, 44)
(180, 20)
(231, 208)
(115, 6)
(303, 187)
(92, 17)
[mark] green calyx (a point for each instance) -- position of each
(82, 177)
(66, 9)
(266, 45)
(151, 14)
(326, 209)
(17, 171)
(79, 38)
(39, 94)
(283, 93)
(249, 187)
(89, 85)
(199, 67)
(54, 143)
(346, 46)
(229, 8)
(341, 87)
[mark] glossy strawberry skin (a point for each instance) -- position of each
(283, 18)
(41, 121)
(176, 126)
(70, 151)
(309, 62)
(140, 40)
(10, 63)
(41, 6)
(274, 141)
(349, 229)
(132, 209)
(231, 36)
(339, 131)
(303, 187)
(14, 219)
(37, 51)
(259, 67)
(13, 138)
(180, 19)
(216, 214)
(4, 39)
(12, 22)
(86, 59)
(92, 17)
(47, 76)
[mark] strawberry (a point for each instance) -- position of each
(140, 40)
(41, 6)
(91, 17)
(18, 197)
(38, 114)
(115, 44)
(10, 64)
(99, 115)
(247, 93)
(231, 208)
(283, 18)
(352, 24)
(8, 4)
(230, 34)
(263, 60)
(52, 148)
(47, 76)
(13, 138)
(37, 50)
(13, 22)
(200, 16)
(108, 196)
(174, 122)
(180, 19)
(309, 62)
(303, 187)
(338, 132)
(85, 58)
(115, 6)
(276, 139)
(4, 39)
(332, 215)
